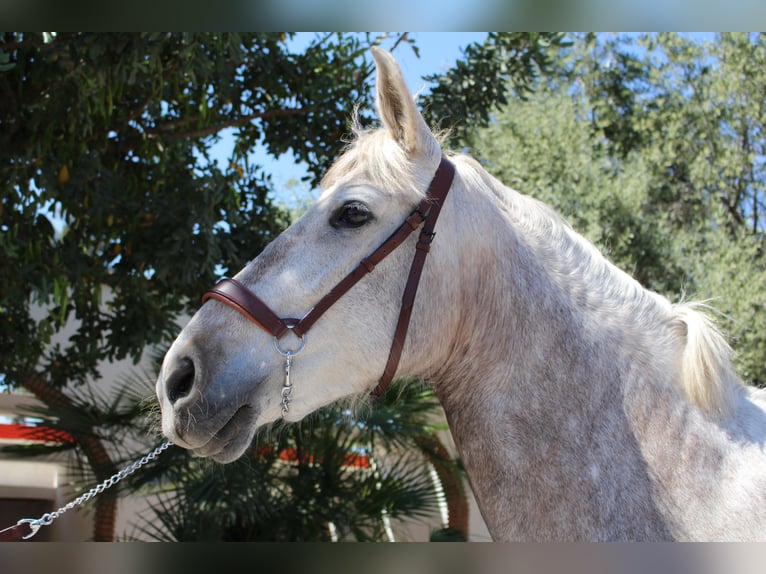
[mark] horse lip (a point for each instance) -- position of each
(237, 430)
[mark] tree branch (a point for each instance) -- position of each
(166, 130)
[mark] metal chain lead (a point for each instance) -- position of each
(48, 518)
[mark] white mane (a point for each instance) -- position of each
(707, 374)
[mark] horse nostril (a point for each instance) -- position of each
(181, 380)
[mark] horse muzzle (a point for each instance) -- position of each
(210, 418)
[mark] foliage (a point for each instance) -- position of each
(653, 147)
(505, 64)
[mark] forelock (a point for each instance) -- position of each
(373, 156)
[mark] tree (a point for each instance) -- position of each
(653, 147)
(717, 158)
(506, 64)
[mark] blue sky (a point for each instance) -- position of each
(438, 53)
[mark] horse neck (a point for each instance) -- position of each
(535, 301)
(550, 345)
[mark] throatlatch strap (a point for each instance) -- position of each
(437, 194)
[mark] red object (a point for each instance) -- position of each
(20, 431)
(291, 455)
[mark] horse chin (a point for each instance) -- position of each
(232, 440)
(229, 452)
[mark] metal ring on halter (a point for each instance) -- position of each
(290, 352)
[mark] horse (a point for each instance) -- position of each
(584, 407)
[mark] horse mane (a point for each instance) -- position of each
(707, 375)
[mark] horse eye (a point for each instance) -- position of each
(350, 215)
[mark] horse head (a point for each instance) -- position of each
(224, 377)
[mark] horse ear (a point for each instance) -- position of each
(396, 105)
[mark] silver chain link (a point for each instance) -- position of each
(48, 518)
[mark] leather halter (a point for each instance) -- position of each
(236, 295)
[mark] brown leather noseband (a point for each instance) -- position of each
(236, 295)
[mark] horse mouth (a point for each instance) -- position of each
(232, 439)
